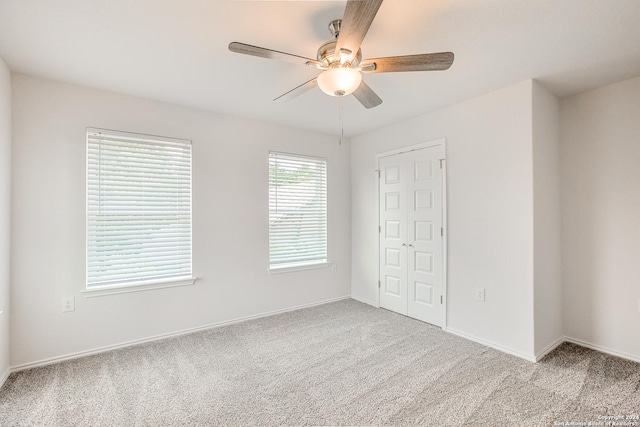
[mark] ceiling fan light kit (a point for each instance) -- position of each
(339, 81)
(341, 68)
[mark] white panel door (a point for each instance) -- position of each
(393, 232)
(424, 239)
(411, 250)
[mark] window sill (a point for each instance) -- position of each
(126, 289)
(278, 270)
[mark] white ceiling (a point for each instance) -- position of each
(176, 51)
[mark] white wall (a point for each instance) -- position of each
(600, 167)
(230, 211)
(546, 220)
(490, 212)
(5, 214)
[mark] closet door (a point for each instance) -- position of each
(411, 249)
(424, 235)
(393, 233)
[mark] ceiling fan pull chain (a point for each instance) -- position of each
(341, 119)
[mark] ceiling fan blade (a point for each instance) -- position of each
(358, 16)
(367, 96)
(297, 91)
(247, 49)
(423, 62)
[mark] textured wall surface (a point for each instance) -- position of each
(490, 212)
(5, 214)
(230, 221)
(600, 154)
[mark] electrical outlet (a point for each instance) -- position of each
(68, 304)
(480, 294)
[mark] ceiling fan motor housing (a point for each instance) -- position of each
(327, 51)
(328, 55)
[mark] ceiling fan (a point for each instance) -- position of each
(341, 61)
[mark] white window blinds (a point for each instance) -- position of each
(138, 209)
(297, 210)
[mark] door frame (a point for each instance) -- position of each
(428, 144)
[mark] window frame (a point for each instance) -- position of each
(135, 284)
(300, 265)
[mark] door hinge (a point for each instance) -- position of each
(441, 231)
(440, 299)
(379, 229)
(379, 284)
(378, 172)
(440, 161)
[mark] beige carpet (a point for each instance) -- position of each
(343, 363)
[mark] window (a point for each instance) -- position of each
(138, 209)
(297, 210)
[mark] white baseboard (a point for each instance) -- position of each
(98, 350)
(478, 340)
(622, 354)
(548, 349)
(364, 301)
(527, 357)
(4, 376)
